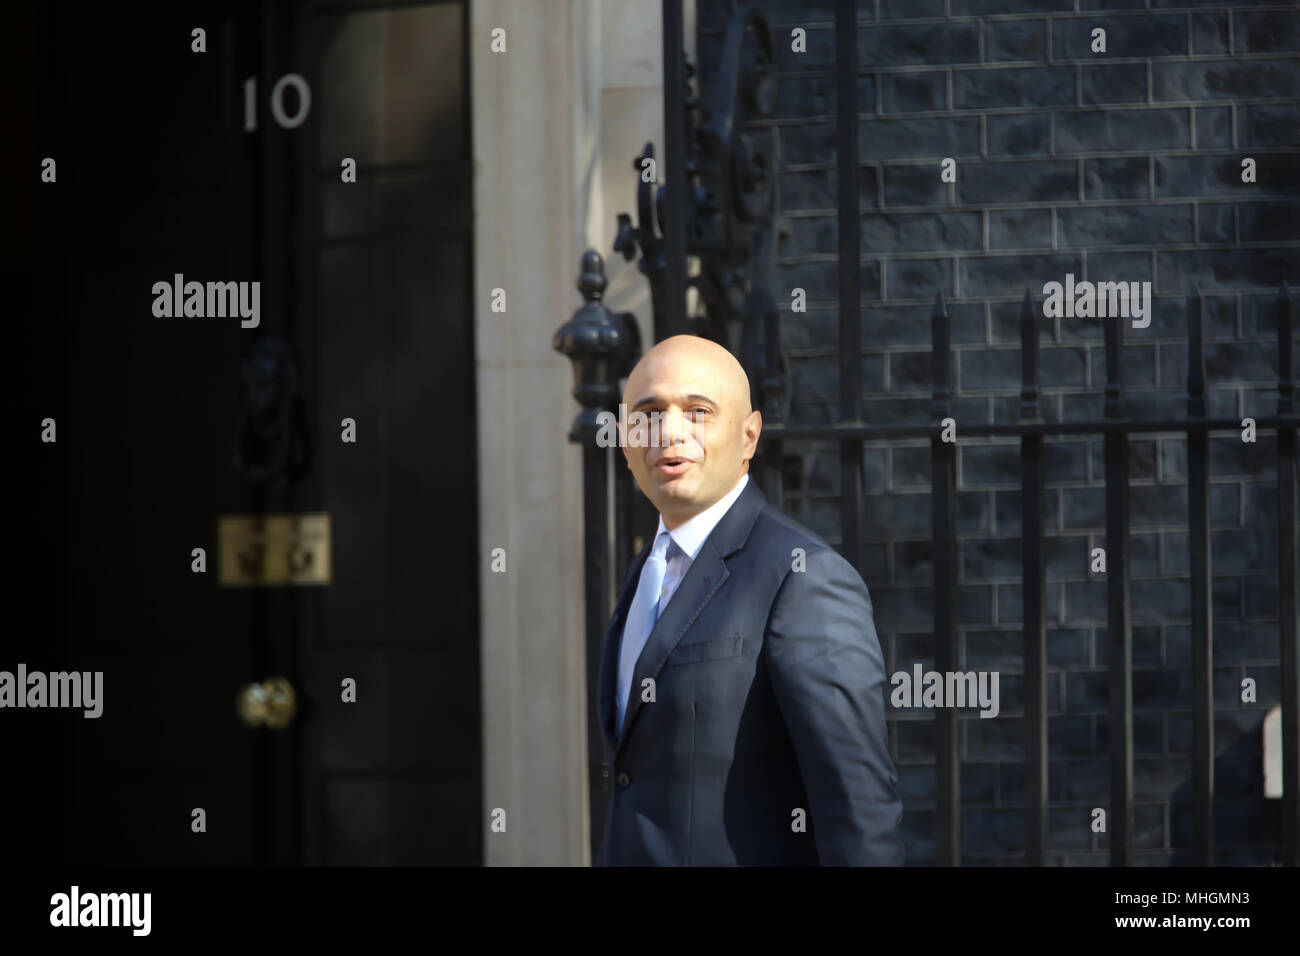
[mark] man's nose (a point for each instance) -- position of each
(672, 428)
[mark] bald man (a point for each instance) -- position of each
(742, 683)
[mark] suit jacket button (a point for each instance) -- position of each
(623, 780)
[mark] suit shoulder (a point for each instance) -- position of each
(774, 528)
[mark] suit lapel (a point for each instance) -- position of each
(609, 656)
(703, 579)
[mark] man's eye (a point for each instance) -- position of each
(700, 411)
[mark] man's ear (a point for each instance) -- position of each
(752, 428)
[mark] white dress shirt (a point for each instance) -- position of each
(689, 537)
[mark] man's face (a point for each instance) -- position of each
(704, 437)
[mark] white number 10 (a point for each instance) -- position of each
(277, 102)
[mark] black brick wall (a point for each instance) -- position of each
(1123, 165)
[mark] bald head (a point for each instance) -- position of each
(680, 351)
(698, 396)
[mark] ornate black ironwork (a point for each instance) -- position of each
(729, 215)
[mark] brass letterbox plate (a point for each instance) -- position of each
(273, 549)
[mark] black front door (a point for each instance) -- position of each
(343, 407)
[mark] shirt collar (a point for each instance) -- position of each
(690, 535)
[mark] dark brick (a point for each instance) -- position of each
(974, 8)
(989, 464)
(920, 137)
(1010, 602)
(918, 44)
(1272, 31)
(1259, 312)
(1086, 780)
(910, 371)
(1158, 779)
(1213, 127)
(1144, 554)
(913, 562)
(1156, 600)
(1260, 597)
(914, 186)
(915, 738)
(1156, 505)
(1146, 36)
(920, 278)
(1269, 221)
(1083, 508)
(922, 232)
(908, 9)
(994, 739)
(1065, 459)
(1267, 124)
(1085, 601)
(1225, 597)
(799, 97)
(914, 92)
(1169, 687)
(1005, 319)
(1229, 455)
(916, 784)
(1097, 226)
(1173, 81)
(1018, 134)
(1148, 734)
(1067, 648)
(1015, 40)
(1020, 229)
(979, 782)
(1023, 85)
(989, 368)
(984, 558)
(1233, 552)
(1115, 179)
(807, 143)
(1007, 506)
(1121, 267)
(1224, 504)
(1226, 269)
(1066, 555)
(972, 512)
(1008, 275)
(1141, 459)
(1209, 33)
(1116, 83)
(911, 466)
(1011, 782)
(974, 605)
(809, 235)
(1204, 176)
(1136, 130)
(815, 189)
(1216, 222)
(992, 830)
(1031, 180)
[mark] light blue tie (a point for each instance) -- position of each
(641, 617)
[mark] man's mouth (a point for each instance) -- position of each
(672, 466)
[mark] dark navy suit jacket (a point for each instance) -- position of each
(769, 699)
